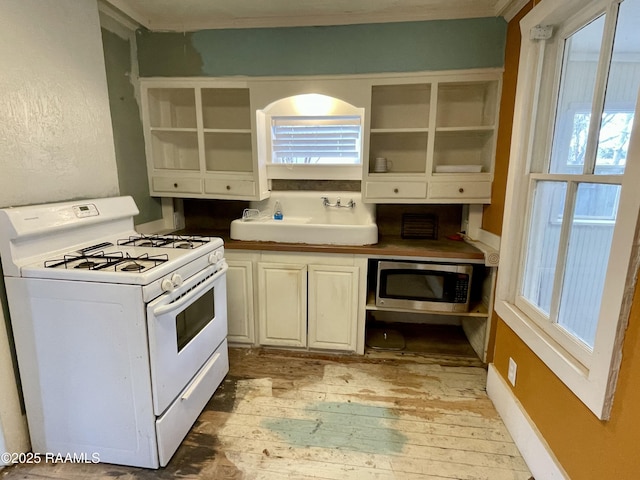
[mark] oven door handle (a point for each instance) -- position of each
(196, 291)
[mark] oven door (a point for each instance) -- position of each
(185, 327)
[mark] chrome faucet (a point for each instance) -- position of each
(338, 204)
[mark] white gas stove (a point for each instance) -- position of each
(120, 337)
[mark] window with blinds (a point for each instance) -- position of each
(318, 140)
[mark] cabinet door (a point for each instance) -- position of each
(240, 316)
(333, 307)
(282, 301)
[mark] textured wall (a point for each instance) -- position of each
(345, 49)
(55, 129)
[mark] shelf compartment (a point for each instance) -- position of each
(407, 151)
(468, 104)
(226, 108)
(175, 150)
(172, 107)
(400, 106)
(228, 151)
(464, 148)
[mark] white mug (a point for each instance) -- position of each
(382, 165)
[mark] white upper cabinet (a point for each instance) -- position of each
(435, 131)
(438, 136)
(200, 141)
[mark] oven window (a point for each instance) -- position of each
(414, 286)
(194, 318)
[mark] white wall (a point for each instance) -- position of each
(56, 141)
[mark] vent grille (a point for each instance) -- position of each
(419, 226)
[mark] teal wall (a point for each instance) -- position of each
(347, 49)
(127, 128)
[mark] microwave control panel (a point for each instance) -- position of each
(462, 289)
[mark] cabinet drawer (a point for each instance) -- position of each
(396, 190)
(180, 185)
(464, 190)
(230, 187)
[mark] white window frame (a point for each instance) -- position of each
(591, 376)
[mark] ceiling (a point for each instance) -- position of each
(191, 15)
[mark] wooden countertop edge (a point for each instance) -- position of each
(387, 246)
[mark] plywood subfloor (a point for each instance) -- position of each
(295, 415)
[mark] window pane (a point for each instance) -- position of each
(581, 53)
(542, 245)
(587, 257)
(622, 91)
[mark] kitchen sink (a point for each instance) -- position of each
(325, 218)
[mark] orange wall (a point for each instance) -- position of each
(586, 447)
(492, 215)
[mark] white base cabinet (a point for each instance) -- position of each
(240, 301)
(299, 300)
(282, 304)
(333, 306)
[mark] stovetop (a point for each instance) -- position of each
(125, 258)
(96, 241)
(135, 259)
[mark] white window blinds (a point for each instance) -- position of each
(316, 140)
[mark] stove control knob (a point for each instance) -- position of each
(170, 284)
(215, 257)
(176, 279)
(167, 285)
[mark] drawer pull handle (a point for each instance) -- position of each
(228, 187)
(461, 190)
(395, 190)
(175, 185)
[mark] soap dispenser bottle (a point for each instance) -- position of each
(277, 211)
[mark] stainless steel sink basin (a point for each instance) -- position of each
(307, 218)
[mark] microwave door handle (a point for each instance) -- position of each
(186, 299)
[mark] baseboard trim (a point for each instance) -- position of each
(532, 445)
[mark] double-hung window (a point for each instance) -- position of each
(572, 194)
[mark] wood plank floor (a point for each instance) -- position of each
(294, 415)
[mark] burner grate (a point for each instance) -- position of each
(164, 241)
(95, 261)
(114, 261)
(142, 262)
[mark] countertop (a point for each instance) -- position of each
(388, 246)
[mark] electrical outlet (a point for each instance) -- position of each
(513, 369)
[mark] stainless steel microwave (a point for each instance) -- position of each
(424, 286)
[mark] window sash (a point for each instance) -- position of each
(549, 322)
